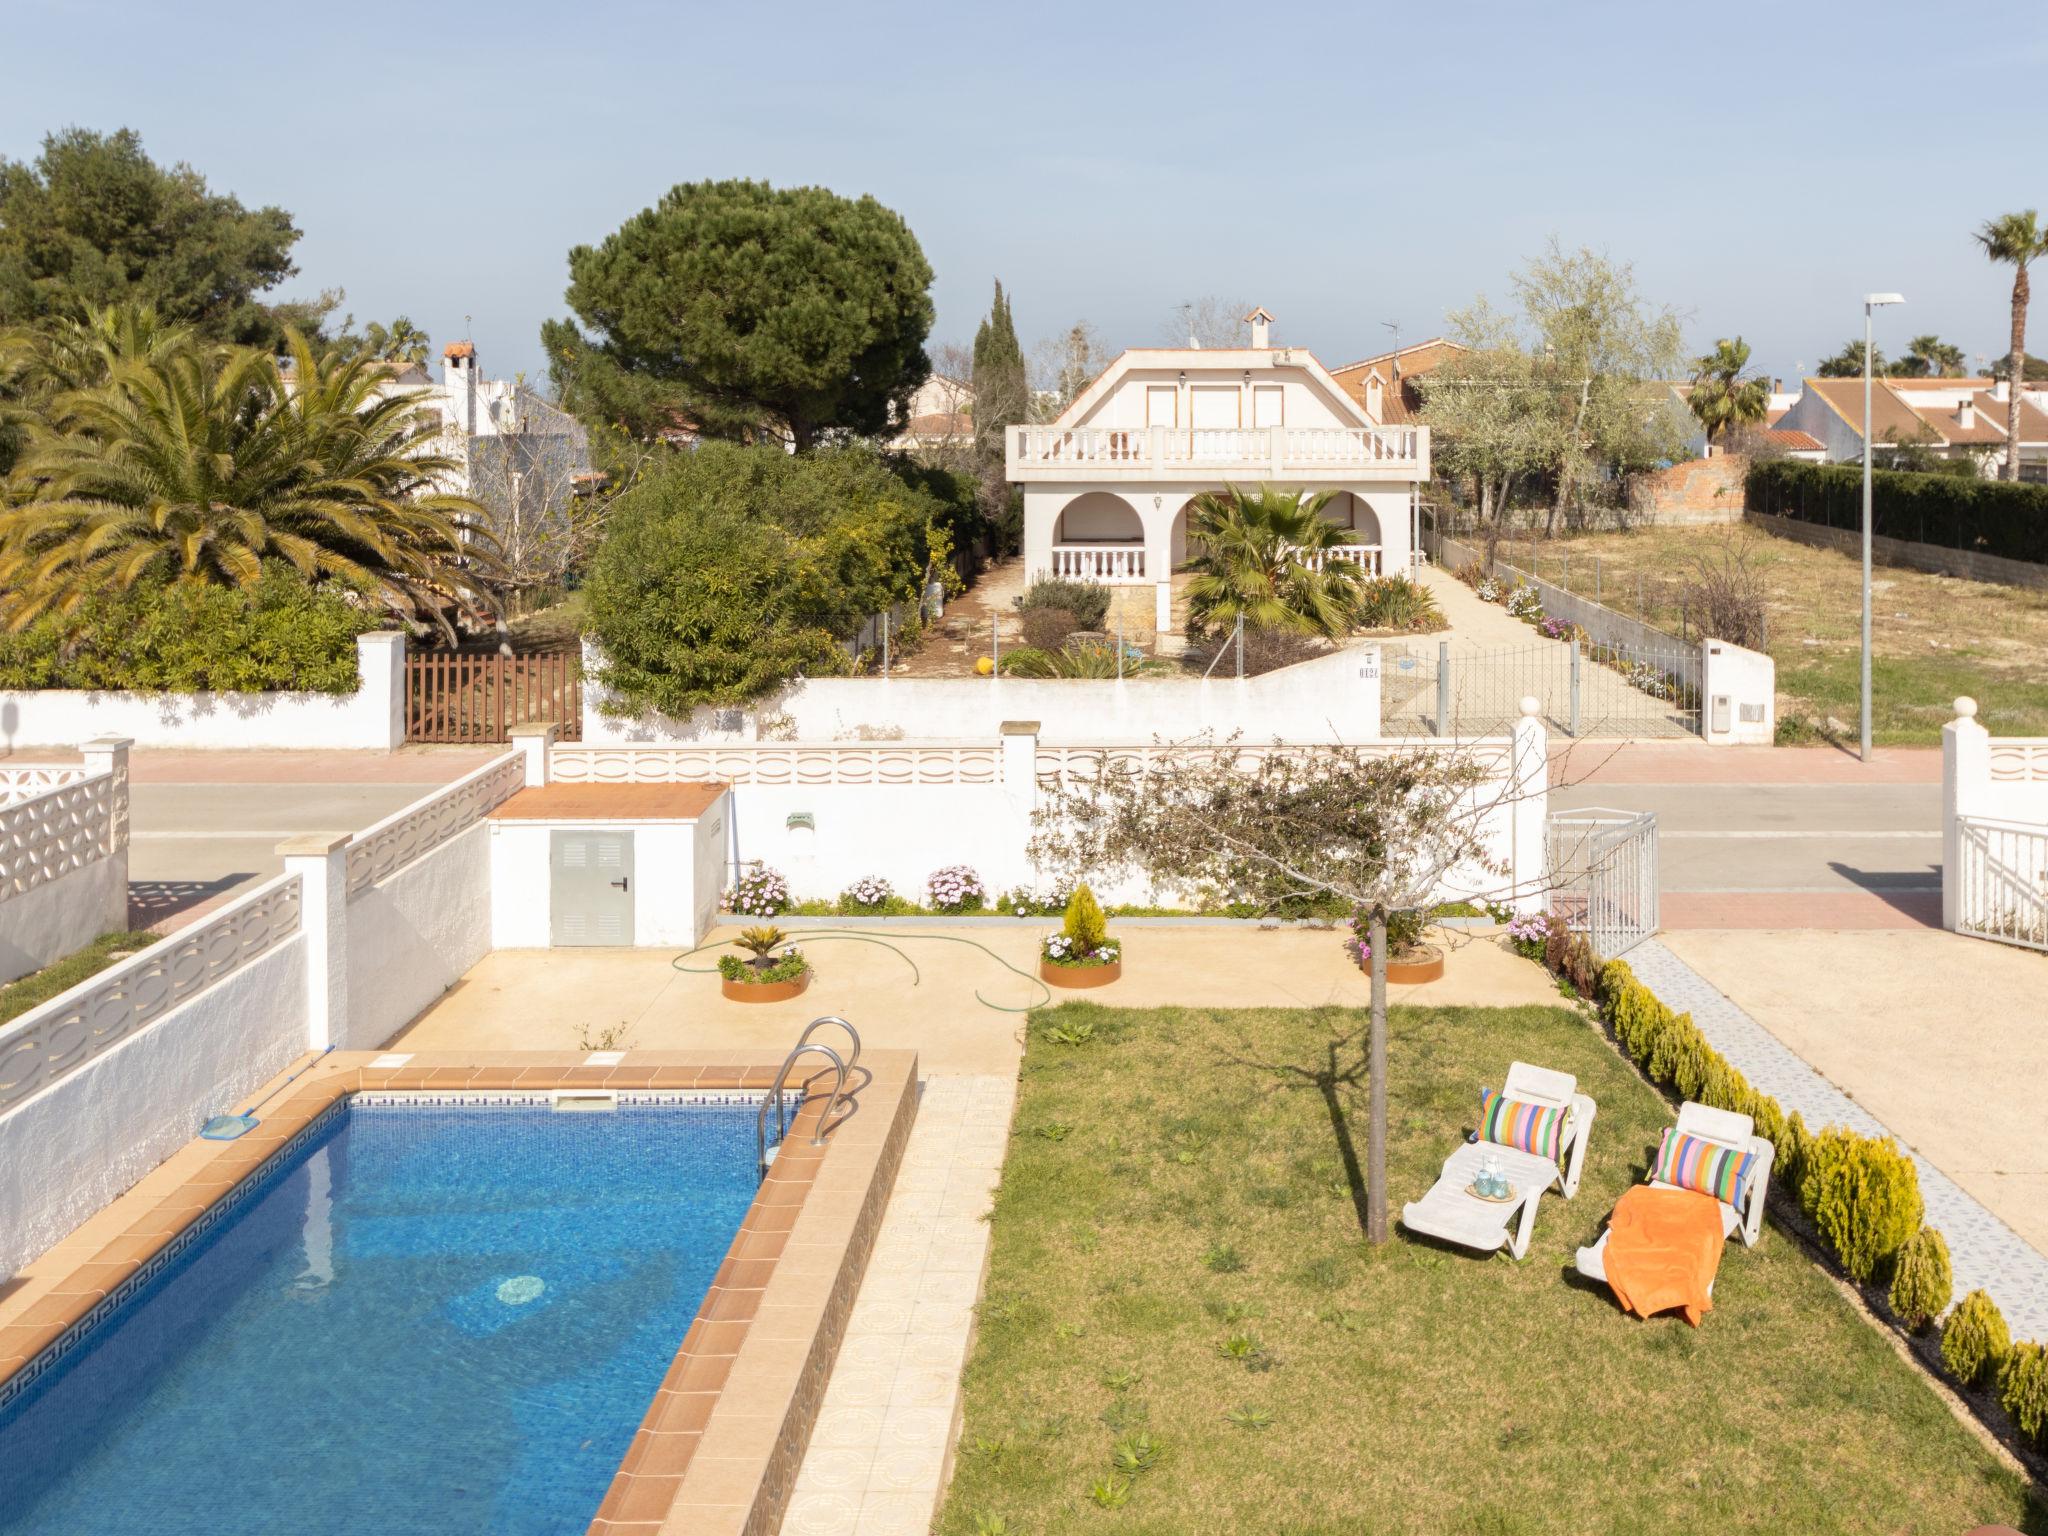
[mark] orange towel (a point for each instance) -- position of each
(1663, 1248)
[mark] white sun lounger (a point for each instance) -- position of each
(1724, 1128)
(1450, 1213)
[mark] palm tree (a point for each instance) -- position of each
(2015, 238)
(1265, 557)
(193, 462)
(1723, 396)
(1929, 357)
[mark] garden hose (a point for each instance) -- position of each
(916, 976)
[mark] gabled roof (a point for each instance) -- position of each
(1897, 417)
(1225, 359)
(1398, 406)
(1793, 442)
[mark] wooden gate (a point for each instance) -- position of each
(479, 696)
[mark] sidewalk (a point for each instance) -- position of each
(1923, 1037)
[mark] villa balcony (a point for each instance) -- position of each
(1211, 454)
(1124, 564)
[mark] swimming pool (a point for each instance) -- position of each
(427, 1316)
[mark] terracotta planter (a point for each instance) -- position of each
(764, 991)
(1079, 975)
(1425, 962)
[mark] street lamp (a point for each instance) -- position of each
(1871, 301)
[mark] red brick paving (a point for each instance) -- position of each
(1782, 911)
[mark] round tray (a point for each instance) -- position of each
(1512, 1194)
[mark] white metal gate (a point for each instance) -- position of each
(1602, 868)
(2002, 880)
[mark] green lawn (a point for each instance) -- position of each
(1190, 1177)
(26, 992)
(1933, 637)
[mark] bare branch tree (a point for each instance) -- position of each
(1388, 831)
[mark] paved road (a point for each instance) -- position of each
(1724, 838)
(203, 825)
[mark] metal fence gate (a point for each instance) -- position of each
(1602, 868)
(1632, 692)
(2001, 880)
(478, 696)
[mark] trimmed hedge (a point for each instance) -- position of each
(1989, 517)
(277, 634)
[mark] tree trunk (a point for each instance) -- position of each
(1376, 1064)
(2016, 372)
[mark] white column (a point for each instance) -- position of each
(1042, 510)
(1363, 722)
(1965, 777)
(1020, 788)
(109, 755)
(535, 743)
(320, 860)
(1529, 793)
(380, 668)
(1162, 604)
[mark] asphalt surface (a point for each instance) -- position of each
(1781, 837)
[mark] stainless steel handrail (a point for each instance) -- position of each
(820, 1022)
(775, 1097)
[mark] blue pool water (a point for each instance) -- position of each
(433, 1319)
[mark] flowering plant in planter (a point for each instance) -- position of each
(956, 888)
(765, 967)
(1527, 936)
(760, 892)
(1404, 935)
(1083, 939)
(866, 896)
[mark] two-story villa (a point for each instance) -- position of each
(1107, 485)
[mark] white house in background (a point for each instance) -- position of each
(940, 417)
(1107, 485)
(1952, 418)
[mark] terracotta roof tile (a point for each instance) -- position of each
(459, 349)
(1793, 442)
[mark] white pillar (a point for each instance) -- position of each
(1362, 723)
(1965, 778)
(1020, 788)
(1162, 605)
(109, 755)
(320, 860)
(535, 743)
(1528, 804)
(380, 669)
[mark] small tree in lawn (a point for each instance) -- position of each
(1379, 830)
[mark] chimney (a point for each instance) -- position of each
(1998, 391)
(1777, 386)
(1966, 414)
(458, 371)
(1261, 324)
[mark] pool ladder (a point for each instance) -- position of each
(763, 1153)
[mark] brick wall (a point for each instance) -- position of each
(1697, 491)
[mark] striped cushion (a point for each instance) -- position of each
(1691, 1163)
(1537, 1128)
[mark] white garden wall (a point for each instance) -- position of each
(371, 719)
(68, 1150)
(1738, 696)
(1334, 698)
(412, 936)
(63, 858)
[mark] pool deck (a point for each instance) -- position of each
(719, 1448)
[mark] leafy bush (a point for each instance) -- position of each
(1862, 1194)
(786, 966)
(727, 571)
(956, 888)
(1922, 1282)
(1993, 517)
(1395, 602)
(1975, 1341)
(1046, 629)
(1085, 926)
(1087, 601)
(1525, 603)
(2023, 1391)
(1079, 659)
(278, 633)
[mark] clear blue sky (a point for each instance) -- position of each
(1345, 164)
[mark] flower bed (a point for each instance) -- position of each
(1081, 954)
